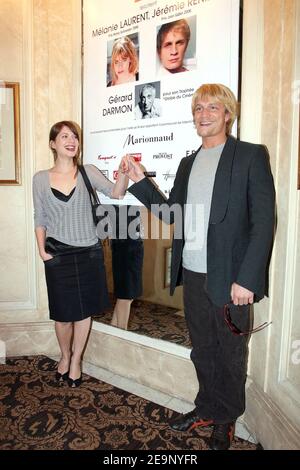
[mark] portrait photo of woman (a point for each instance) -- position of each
(123, 62)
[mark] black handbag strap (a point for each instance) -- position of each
(92, 193)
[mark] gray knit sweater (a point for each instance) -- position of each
(69, 222)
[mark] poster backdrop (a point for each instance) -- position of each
(139, 101)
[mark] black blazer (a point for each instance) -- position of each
(241, 222)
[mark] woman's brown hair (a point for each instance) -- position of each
(55, 130)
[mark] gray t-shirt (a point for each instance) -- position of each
(197, 210)
(69, 222)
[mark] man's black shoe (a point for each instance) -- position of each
(221, 436)
(189, 421)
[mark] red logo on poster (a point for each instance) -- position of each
(137, 156)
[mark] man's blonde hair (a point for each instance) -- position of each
(178, 25)
(222, 94)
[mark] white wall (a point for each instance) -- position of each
(270, 116)
(40, 48)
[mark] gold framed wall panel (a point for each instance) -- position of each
(10, 158)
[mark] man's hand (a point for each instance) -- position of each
(240, 295)
(133, 169)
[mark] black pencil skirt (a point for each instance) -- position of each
(76, 281)
(127, 264)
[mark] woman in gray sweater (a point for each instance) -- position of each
(68, 245)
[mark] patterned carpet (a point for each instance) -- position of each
(155, 321)
(38, 414)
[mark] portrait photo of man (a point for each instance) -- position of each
(147, 101)
(175, 46)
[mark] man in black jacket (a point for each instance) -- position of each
(224, 271)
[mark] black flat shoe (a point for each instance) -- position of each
(73, 383)
(61, 377)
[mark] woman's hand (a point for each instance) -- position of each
(121, 184)
(123, 167)
(45, 256)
